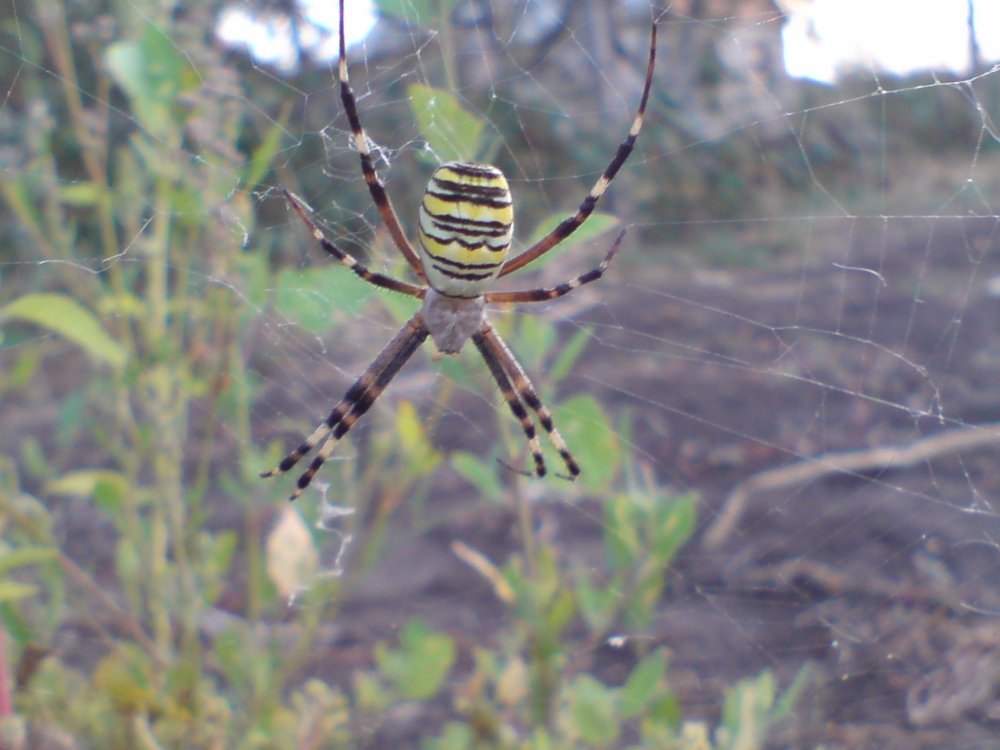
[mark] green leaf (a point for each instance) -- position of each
(411, 430)
(745, 712)
(17, 626)
(534, 339)
(416, 447)
(24, 368)
(673, 524)
(255, 272)
(786, 702)
(478, 472)
(560, 612)
(568, 356)
(597, 604)
(67, 317)
(542, 740)
(107, 488)
(643, 684)
(263, 155)
(153, 73)
(126, 677)
(452, 132)
(456, 736)
(71, 420)
(421, 664)
(586, 430)
(665, 711)
(12, 591)
(24, 556)
(594, 227)
(593, 708)
(370, 692)
(84, 483)
(84, 193)
(309, 297)
(642, 603)
(121, 304)
(217, 551)
(621, 534)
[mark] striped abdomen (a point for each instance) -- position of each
(466, 222)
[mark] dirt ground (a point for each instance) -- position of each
(883, 576)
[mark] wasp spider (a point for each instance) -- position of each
(464, 234)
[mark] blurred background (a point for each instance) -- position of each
(782, 392)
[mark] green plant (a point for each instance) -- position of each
(752, 706)
(643, 531)
(534, 691)
(127, 236)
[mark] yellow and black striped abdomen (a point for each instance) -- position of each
(466, 222)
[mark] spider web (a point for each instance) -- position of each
(800, 329)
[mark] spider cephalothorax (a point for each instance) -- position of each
(465, 230)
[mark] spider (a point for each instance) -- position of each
(465, 230)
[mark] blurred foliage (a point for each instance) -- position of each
(452, 133)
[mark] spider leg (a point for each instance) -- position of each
(570, 225)
(513, 401)
(553, 292)
(378, 279)
(375, 187)
(496, 352)
(358, 399)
